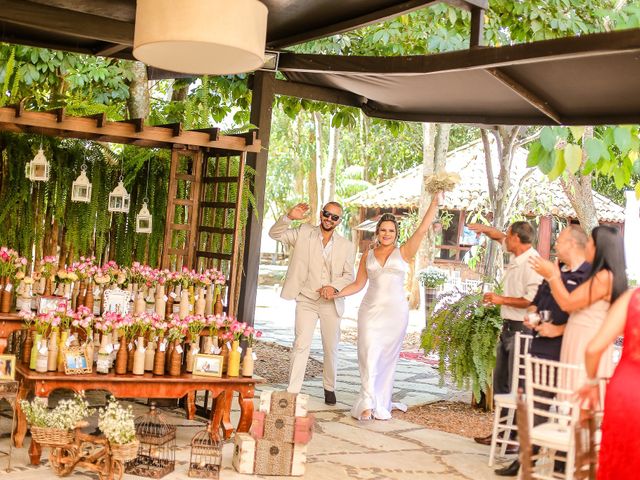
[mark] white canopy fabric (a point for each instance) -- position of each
(631, 235)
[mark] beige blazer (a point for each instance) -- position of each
(301, 261)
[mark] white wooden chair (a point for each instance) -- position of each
(505, 403)
(556, 434)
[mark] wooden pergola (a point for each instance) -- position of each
(590, 79)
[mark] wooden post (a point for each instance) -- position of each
(477, 27)
(261, 110)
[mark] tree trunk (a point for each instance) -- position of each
(364, 145)
(434, 156)
(316, 169)
(332, 161)
(138, 102)
(578, 190)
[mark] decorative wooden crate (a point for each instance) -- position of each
(279, 428)
(273, 458)
(283, 403)
(244, 453)
(257, 425)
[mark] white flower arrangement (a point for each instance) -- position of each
(117, 423)
(67, 414)
(432, 277)
(441, 182)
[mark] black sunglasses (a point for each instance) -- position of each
(333, 217)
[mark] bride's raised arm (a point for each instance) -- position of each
(360, 281)
(410, 247)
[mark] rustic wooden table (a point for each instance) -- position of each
(142, 386)
(9, 322)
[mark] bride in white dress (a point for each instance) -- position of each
(384, 313)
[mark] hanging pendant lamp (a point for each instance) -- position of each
(37, 170)
(216, 37)
(119, 199)
(144, 219)
(81, 187)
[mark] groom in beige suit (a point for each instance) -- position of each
(321, 265)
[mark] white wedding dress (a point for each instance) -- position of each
(382, 324)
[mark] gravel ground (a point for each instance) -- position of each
(411, 340)
(273, 363)
(452, 417)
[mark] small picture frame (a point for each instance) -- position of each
(208, 365)
(50, 304)
(7, 367)
(116, 300)
(75, 361)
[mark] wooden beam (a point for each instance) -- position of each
(249, 137)
(477, 28)
(59, 113)
(321, 94)
(138, 123)
(468, 4)
(526, 94)
(213, 132)
(101, 119)
(261, 113)
(109, 51)
(19, 107)
(175, 127)
(481, 58)
(62, 21)
(119, 132)
(350, 24)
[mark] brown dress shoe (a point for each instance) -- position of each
(483, 440)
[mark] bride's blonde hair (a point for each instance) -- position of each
(387, 217)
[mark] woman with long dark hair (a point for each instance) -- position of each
(589, 303)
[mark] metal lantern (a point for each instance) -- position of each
(37, 170)
(157, 451)
(206, 455)
(144, 220)
(119, 199)
(81, 188)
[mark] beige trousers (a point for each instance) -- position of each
(308, 312)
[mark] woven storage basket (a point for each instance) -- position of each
(273, 458)
(125, 452)
(52, 436)
(279, 428)
(283, 403)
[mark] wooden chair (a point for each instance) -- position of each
(549, 394)
(526, 451)
(9, 392)
(505, 403)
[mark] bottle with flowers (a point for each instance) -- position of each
(195, 325)
(105, 326)
(44, 323)
(83, 325)
(47, 267)
(11, 266)
(236, 329)
(159, 280)
(176, 333)
(142, 323)
(249, 335)
(63, 317)
(219, 282)
(159, 328)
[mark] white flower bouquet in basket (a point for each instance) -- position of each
(441, 182)
(117, 425)
(55, 427)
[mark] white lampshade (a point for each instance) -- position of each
(119, 199)
(81, 188)
(214, 37)
(37, 170)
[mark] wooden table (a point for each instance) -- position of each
(9, 322)
(142, 386)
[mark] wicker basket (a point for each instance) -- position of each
(52, 436)
(125, 452)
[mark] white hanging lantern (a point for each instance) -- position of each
(119, 199)
(215, 37)
(144, 220)
(81, 187)
(37, 170)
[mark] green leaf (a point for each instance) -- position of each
(534, 155)
(577, 132)
(596, 150)
(548, 139)
(636, 167)
(559, 165)
(638, 191)
(619, 177)
(573, 157)
(547, 161)
(622, 137)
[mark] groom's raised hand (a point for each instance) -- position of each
(298, 212)
(327, 292)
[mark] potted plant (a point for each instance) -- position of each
(117, 425)
(431, 279)
(463, 333)
(55, 427)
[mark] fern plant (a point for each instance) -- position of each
(463, 333)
